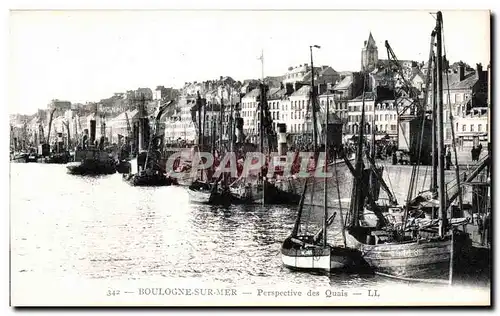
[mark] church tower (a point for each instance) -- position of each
(369, 55)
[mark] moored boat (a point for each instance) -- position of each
(424, 258)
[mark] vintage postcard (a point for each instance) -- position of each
(250, 158)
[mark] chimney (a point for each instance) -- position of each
(240, 136)
(92, 131)
(282, 86)
(298, 85)
(321, 88)
(479, 70)
(289, 88)
(282, 145)
(461, 71)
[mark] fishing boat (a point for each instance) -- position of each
(19, 157)
(419, 249)
(304, 250)
(147, 170)
(91, 158)
(204, 189)
(257, 188)
(91, 161)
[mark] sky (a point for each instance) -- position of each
(83, 56)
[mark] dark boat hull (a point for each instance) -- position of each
(32, 158)
(272, 195)
(91, 167)
(124, 167)
(62, 158)
(147, 180)
(427, 259)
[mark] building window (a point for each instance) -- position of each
(463, 128)
(472, 127)
(479, 128)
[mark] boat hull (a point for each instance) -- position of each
(147, 180)
(204, 193)
(272, 195)
(308, 259)
(91, 168)
(202, 197)
(419, 260)
(297, 253)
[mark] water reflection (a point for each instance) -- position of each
(100, 227)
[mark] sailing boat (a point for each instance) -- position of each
(305, 251)
(411, 252)
(202, 190)
(149, 172)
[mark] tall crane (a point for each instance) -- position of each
(406, 96)
(129, 128)
(41, 134)
(50, 124)
(66, 124)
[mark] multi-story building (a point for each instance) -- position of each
(381, 116)
(303, 73)
(59, 106)
(161, 93)
(249, 112)
(466, 92)
(474, 124)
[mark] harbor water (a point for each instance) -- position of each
(103, 228)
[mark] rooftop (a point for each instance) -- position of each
(304, 90)
(344, 84)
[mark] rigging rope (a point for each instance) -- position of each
(453, 141)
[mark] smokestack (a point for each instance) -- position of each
(92, 131)
(60, 142)
(461, 71)
(282, 145)
(240, 136)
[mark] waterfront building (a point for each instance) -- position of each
(382, 116)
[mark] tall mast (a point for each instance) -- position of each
(434, 184)
(313, 103)
(262, 100)
(357, 202)
(261, 116)
(198, 105)
(373, 178)
(221, 119)
(441, 180)
(325, 216)
(262, 64)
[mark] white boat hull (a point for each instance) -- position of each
(199, 196)
(322, 262)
